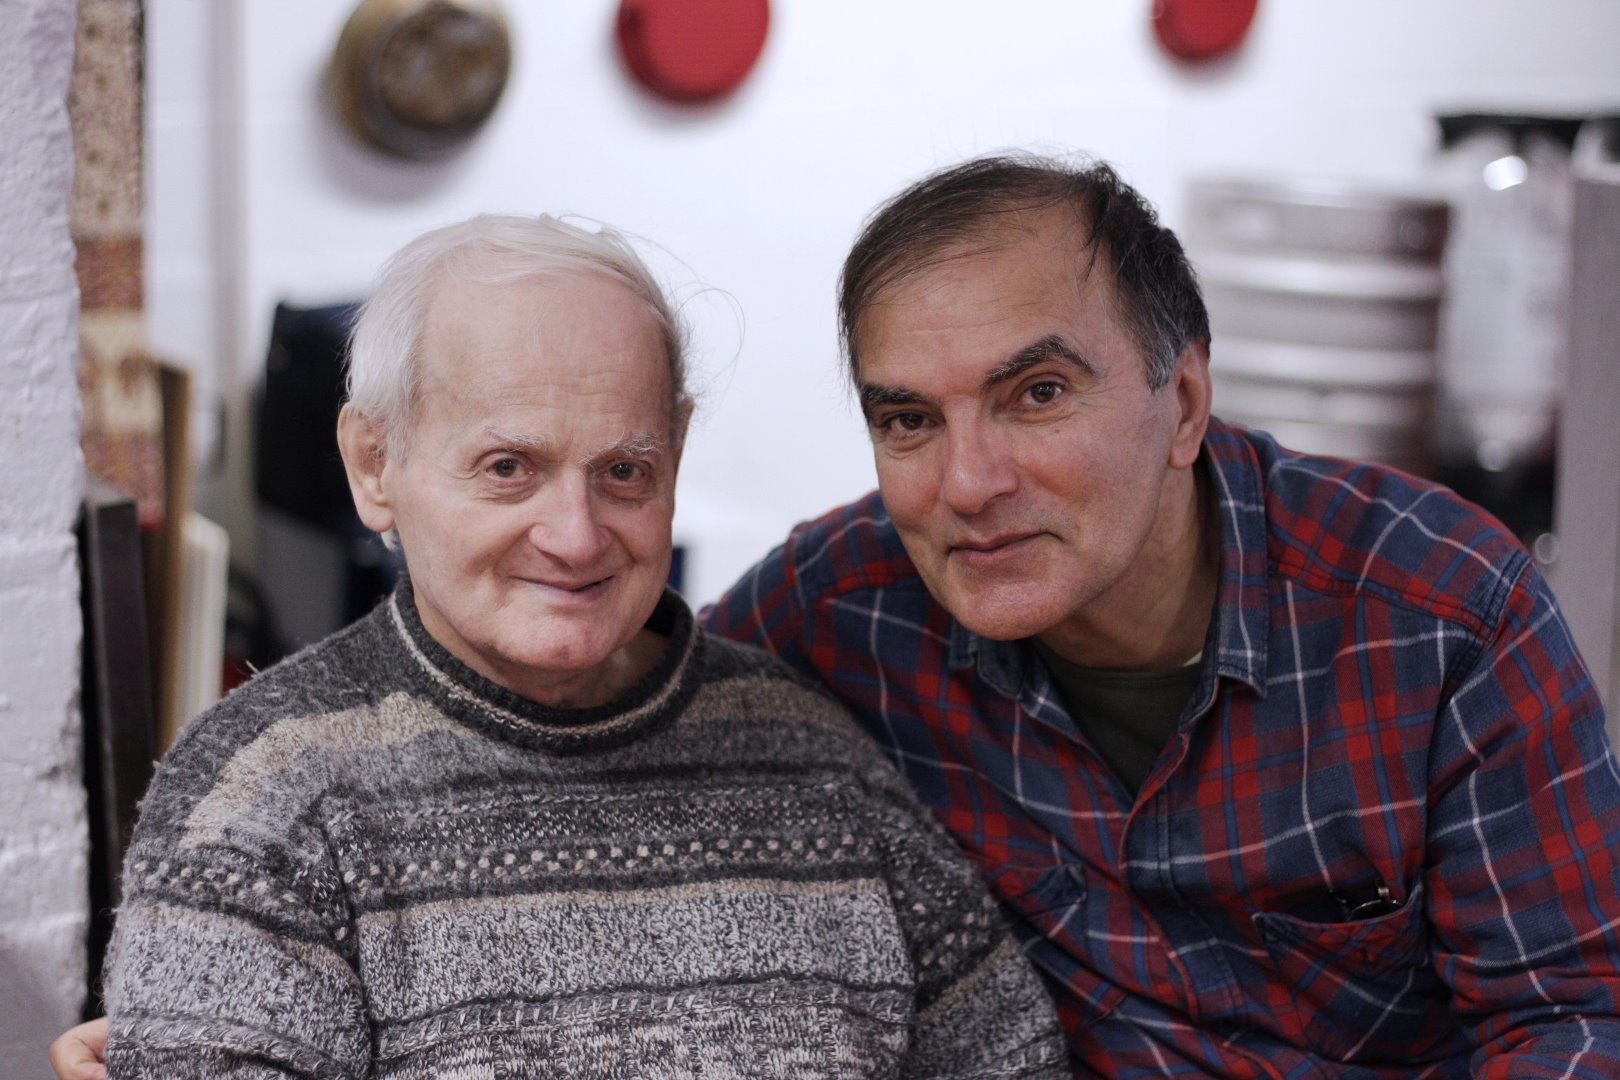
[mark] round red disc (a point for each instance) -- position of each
(1201, 29)
(691, 50)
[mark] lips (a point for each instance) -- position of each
(993, 544)
(992, 552)
(572, 588)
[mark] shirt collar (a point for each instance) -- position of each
(1236, 644)
(1242, 624)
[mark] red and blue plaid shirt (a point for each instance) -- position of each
(1381, 843)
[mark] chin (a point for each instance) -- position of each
(565, 656)
(1006, 614)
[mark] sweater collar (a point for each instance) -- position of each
(463, 694)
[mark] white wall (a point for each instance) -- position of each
(43, 898)
(762, 194)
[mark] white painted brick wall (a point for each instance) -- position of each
(42, 819)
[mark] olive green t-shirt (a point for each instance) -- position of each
(1128, 717)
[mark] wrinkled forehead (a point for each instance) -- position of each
(581, 343)
(560, 319)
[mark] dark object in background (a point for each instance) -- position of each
(1455, 127)
(1199, 30)
(253, 638)
(299, 471)
(417, 78)
(116, 700)
(298, 468)
(691, 50)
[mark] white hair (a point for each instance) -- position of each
(384, 363)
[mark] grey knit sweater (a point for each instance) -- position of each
(372, 862)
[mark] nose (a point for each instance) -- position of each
(566, 524)
(977, 471)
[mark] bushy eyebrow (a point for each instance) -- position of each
(1050, 347)
(874, 395)
(538, 444)
(642, 444)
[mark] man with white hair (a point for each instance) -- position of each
(526, 819)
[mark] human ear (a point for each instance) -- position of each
(365, 459)
(1189, 382)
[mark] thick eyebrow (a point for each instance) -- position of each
(875, 394)
(643, 444)
(539, 444)
(1050, 347)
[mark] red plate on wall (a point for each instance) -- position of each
(1201, 29)
(691, 50)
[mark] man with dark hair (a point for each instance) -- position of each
(1282, 765)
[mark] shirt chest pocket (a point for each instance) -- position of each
(1360, 991)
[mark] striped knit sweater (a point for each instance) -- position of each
(372, 862)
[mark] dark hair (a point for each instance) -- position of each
(1156, 287)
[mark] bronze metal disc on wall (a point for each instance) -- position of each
(418, 77)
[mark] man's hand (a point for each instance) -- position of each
(79, 1053)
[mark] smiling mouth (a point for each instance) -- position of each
(583, 589)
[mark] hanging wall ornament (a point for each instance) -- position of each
(418, 77)
(1197, 30)
(691, 50)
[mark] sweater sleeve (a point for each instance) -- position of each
(980, 1009)
(231, 956)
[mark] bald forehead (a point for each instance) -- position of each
(538, 325)
(576, 312)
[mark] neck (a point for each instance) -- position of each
(1157, 617)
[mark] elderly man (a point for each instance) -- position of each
(526, 819)
(1284, 766)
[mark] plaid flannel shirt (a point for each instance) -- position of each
(1381, 843)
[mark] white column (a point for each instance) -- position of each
(1587, 574)
(43, 904)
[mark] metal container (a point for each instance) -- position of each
(1317, 218)
(1324, 307)
(1368, 404)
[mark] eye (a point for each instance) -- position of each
(1044, 393)
(628, 475)
(506, 468)
(903, 423)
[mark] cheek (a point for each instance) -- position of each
(472, 544)
(645, 530)
(909, 488)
